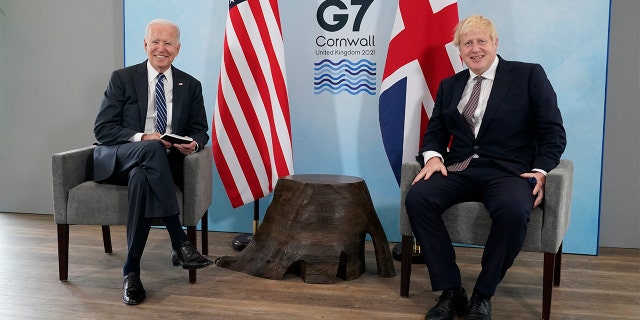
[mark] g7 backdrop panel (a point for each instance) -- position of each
(335, 128)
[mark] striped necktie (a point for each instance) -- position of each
(161, 106)
(467, 114)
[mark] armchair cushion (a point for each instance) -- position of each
(77, 199)
(92, 203)
(469, 222)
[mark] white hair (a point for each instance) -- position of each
(161, 22)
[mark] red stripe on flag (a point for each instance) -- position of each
(252, 133)
(280, 86)
(231, 130)
(248, 108)
(418, 59)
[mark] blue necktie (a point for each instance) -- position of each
(161, 106)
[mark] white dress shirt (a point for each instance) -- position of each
(150, 121)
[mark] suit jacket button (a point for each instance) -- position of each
(476, 147)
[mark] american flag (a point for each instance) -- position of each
(420, 55)
(251, 137)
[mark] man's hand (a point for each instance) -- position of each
(538, 189)
(433, 165)
(187, 148)
(155, 136)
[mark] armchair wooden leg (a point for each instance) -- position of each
(405, 265)
(63, 251)
(550, 278)
(547, 284)
(106, 239)
(204, 223)
(191, 235)
(556, 269)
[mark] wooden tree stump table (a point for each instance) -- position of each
(315, 227)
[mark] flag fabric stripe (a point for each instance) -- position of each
(276, 58)
(420, 55)
(231, 139)
(246, 116)
(252, 125)
(241, 120)
(261, 28)
(254, 85)
(251, 128)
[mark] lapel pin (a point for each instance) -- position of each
(179, 83)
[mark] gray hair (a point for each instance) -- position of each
(161, 22)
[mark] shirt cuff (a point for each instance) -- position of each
(430, 154)
(136, 137)
(540, 170)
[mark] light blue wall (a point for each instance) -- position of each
(340, 134)
(96, 48)
(92, 42)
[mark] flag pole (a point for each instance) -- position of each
(256, 215)
(241, 241)
(416, 255)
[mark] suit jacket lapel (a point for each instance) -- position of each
(500, 87)
(178, 98)
(458, 88)
(141, 82)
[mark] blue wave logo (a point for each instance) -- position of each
(344, 76)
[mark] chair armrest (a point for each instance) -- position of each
(408, 172)
(557, 205)
(69, 169)
(198, 185)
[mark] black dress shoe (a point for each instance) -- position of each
(451, 302)
(189, 258)
(133, 290)
(479, 308)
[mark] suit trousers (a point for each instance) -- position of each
(509, 200)
(145, 168)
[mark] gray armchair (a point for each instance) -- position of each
(77, 200)
(468, 223)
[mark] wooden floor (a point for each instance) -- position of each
(592, 287)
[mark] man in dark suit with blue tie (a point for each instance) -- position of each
(141, 103)
(495, 132)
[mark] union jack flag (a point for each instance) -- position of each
(420, 55)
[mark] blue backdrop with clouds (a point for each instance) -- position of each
(339, 133)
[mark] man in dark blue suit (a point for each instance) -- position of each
(133, 115)
(495, 132)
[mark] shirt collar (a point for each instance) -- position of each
(490, 73)
(152, 73)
